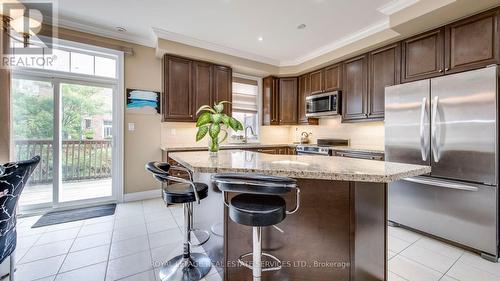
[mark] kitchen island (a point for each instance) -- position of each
(339, 232)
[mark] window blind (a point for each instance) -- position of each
(245, 94)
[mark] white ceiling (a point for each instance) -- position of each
(234, 26)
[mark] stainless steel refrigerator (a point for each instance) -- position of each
(451, 124)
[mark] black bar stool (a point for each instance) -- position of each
(258, 205)
(188, 266)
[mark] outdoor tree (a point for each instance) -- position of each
(34, 109)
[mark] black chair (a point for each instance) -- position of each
(13, 178)
(188, 266)
(259, 204)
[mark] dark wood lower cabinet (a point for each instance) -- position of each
(339, 233)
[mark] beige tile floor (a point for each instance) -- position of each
(141, 235)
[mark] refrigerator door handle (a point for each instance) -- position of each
(441, 183)
(423, 147)
(434, 145)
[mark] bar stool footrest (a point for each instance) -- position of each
(247, 265)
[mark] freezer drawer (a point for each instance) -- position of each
(465, 214)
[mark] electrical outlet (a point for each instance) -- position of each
(173, 132)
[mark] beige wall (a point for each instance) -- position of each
(142, 71)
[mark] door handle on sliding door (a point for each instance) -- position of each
(423, 147)
(434, 144)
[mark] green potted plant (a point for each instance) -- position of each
(212, 121)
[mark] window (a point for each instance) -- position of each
(66, 59)
(245, 107)
(107, 129)
(88, 123)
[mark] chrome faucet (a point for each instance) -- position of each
(245, 139)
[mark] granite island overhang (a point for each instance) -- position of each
(339, 232)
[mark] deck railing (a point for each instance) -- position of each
(80, 159)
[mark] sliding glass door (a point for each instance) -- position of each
(32, 103)
(86, 131)
(70, 125)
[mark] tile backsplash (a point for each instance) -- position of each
(175, 134)
(363, 133)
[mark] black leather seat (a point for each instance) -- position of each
(179, 193)
(257, 210)
(254, 183)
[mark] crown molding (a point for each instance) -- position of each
(395, 6)
(108, 33)
(361, 34)
(191, 41)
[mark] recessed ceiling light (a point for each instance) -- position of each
(260, 38)
(120, 29)
(301, 26)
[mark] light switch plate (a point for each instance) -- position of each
(131, 126)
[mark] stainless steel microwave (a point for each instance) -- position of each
(323, 104)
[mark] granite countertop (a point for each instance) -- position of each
(298, 166)
(356, 148)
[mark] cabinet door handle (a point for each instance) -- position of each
(440, 70)
(446, 69)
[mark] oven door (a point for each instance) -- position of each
(323, 104)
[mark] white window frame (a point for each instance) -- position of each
(259, 101)
(117, 84)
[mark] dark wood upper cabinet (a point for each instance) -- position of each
(423, 56)
(316, 80)
(304, 82)
(270, 114)
(472, 43)
(288, 99)
(202, 84)
(304, 92)
(223, 86)
(384, 70)
(333, 78)
(178, 98)
(189, 84)
(354, 95)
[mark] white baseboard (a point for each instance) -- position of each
(143, 195)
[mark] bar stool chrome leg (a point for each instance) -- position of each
(188, 266)
(200, 234)
(257, 255)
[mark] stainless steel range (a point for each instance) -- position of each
(322, 148)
